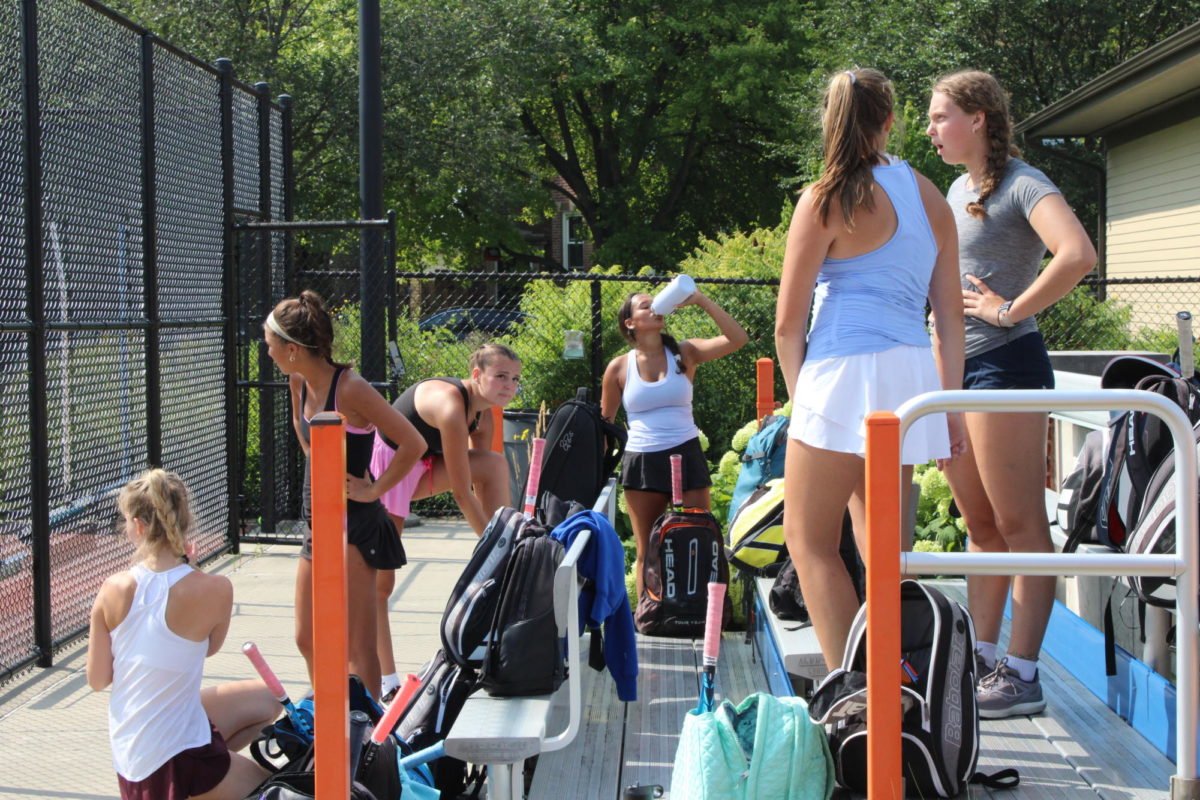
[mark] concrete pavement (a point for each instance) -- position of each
(54, 729)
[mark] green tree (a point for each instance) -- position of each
(660, 121)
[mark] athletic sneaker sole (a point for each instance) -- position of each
(1018, 710)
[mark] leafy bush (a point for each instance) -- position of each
(936, 530)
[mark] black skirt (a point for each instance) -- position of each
(651, 472)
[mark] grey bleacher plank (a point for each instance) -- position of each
(1077, 748)
(739, 673)
(589, 767)
(667, 689)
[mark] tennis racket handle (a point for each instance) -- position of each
(677, 480)
(412, 684)
(712, 623)
(535, 475)
(250, 649)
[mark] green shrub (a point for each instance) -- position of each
(936, 529)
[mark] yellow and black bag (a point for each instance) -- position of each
(756, 533)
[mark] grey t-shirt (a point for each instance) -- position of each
(1002, 249)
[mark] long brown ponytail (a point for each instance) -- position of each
(853, 113)
(972, 91)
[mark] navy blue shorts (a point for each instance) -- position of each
(1020, 364)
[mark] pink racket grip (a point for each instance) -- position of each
(264, 671)
(535, 476)
(412, 684)
(712, 623)
(677, 480)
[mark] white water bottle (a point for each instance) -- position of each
(668, 299)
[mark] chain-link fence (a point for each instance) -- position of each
(116, 154)
(277, 260)
(564, 327)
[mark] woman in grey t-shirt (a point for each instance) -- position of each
(1008, 215)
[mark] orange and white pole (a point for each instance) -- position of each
(884, 781)
(331, 644)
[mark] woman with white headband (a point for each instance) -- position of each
(299, 338)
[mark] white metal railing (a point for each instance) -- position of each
(1182, 565)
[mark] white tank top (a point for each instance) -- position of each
(659, 413)
(154, 712)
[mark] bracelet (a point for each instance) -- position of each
(1002, 320)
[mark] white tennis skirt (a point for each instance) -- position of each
(834, 395)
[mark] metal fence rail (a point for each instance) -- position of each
(115, 152)
(885, 562)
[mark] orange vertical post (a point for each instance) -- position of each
(331, 644)
(884, 781)
(764, 381)
(497, 430)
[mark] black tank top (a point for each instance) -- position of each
(358, 443)
(406, 404)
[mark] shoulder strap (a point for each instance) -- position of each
(1007, 778)
(331, 399)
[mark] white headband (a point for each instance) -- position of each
(853, 80)
(277, 329)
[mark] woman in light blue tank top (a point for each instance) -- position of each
(1008, 215)
(869, 243)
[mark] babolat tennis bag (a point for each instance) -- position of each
(686, 552)
(762, 460)
(473, 601)
(940, 723)
(523, 654)
(582, 451)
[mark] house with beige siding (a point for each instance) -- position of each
(1147, 111)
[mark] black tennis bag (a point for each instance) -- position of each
(524, 655)
(429, 716)
(582, 452)
(940, 725)
(686, 552)
(473, 601)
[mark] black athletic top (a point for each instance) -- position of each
(406, 404)
(368, 526)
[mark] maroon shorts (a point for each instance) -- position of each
(188, 773)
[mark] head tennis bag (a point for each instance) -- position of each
(582, 451)
(472, 603)
(686, 552)
(940, 726)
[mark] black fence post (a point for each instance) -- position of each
(39, 472)
(291, 284)
(266, 395)
(150, 260)
(597, 333)
(229, 310)
(391, 276)
(370, 189)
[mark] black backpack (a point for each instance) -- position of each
(1079, 495)
(582, 451)
(785, 599)
(685, 553)
(524, 655)
(940, 726)
(430, 714)
(472, 604)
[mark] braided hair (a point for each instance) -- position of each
(972, 91)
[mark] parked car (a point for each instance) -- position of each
(458, 323)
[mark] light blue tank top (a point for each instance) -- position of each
(876, 301)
